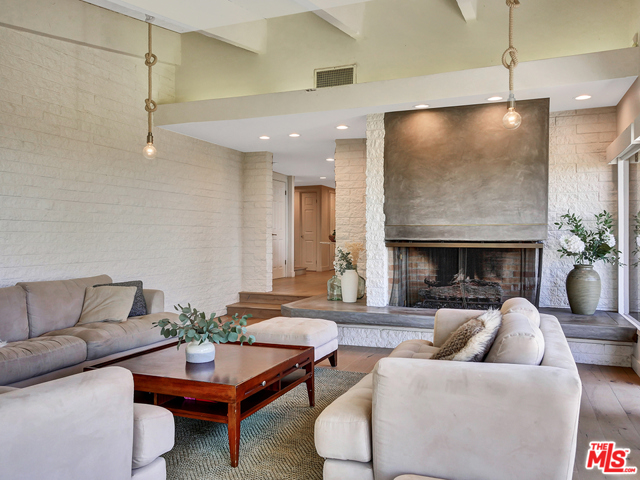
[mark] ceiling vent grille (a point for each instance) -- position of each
(334, 76)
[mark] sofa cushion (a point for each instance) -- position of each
(106, 338)
(156, 470)
(343, 429)
(107, 304)
(523, 306)
(14, 324)
(56, 304)
(139, 307)
(153, 433)
(414, 349)
(517, 342)
(471, 341)
(37, 356)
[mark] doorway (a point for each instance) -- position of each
(279, 232)
(314, 212)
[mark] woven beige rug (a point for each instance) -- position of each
(276, 442)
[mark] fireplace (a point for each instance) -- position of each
(464, 275)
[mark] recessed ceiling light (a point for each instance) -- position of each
(294, 135)
(342, 127)
(494, 99)
(583, 97)
(421, 106)
(264, 137)
(331, 159)
(323, 178)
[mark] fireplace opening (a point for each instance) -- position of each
(465, 275)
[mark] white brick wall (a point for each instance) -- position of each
(350, 164)
(77, 198)
(377, 257)
(581, 181)
(257, 244)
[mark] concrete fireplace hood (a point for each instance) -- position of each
(456, 174)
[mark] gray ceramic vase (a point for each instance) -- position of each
(583, 289)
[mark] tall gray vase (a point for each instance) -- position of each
(583, 289)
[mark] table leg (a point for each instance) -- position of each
(233, 428)
(310, 384)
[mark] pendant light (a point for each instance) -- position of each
(512, 119)
(149, 151)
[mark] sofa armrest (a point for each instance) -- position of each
(154, 300)
(501, 418)
(447, 320)
(153, 433)
(79, 426)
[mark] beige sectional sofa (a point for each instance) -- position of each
(38, 320)
(508, 417)
(83, 427)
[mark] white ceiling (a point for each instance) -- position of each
(305, 156)
(199, 15)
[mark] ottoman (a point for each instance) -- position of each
(311, 332)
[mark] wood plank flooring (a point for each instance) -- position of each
(310, 284)
(609, 410)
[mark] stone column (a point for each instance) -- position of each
(350, 165)
(377, 257)
(257, 221)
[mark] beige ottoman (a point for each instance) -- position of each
(311, 332)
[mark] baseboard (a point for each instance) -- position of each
(635, 364)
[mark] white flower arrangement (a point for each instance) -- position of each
(587, 246)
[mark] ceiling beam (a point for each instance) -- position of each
(346, 18)
(469, 9)
(250, 36)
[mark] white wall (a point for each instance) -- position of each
(77, 198)
(257, 244)
(350, 164)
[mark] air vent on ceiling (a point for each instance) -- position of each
(334, 76)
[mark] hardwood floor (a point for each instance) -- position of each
(609, 410)
(310, 284)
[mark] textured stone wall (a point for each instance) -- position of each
(257, 244)
(377, 256)
(351, 182)
(77, 198)
(580, 180)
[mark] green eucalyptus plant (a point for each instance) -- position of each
(588, 246)
(196, 326)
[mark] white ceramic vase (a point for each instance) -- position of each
(200, 352)
(349, 283)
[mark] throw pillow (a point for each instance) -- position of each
(523, 306)
(139, 306)
(517, 342)
(472, 340)
(106, 304)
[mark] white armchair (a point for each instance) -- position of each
(82, 427)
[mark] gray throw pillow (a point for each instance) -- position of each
(139, 307)
(472, 340)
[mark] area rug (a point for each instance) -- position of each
(276, 443)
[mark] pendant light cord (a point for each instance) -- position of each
(510, 55)
(150, 60)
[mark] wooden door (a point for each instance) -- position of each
(309, 229)
(332, 226)
(279, 232)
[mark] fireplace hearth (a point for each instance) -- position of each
(464, 275)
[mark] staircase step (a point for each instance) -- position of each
(258, 310)
(300, 271)
(269, 298)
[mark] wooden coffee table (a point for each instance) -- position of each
(237, 384)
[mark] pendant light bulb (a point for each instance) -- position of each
(511, 119)
(149, 151)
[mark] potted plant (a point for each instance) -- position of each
(348, 276)
(586, 247)
(332, 237)
(201, 333)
